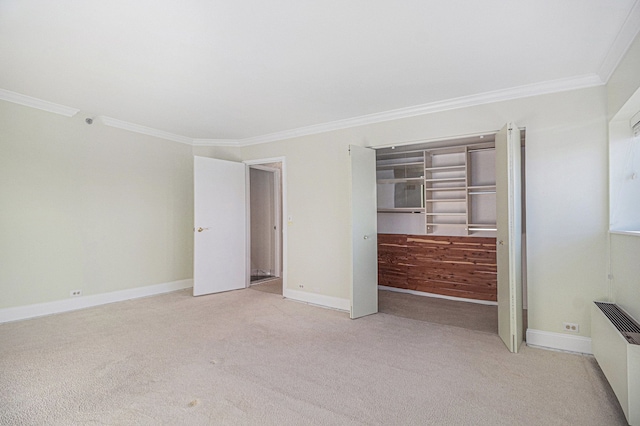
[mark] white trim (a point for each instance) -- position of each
(124, 125)
(437, 296)
(40, 309)
(214, 142)
(29, 101)
(546, 87)
(622, 42)
(634, 123)
(318, 299)
(559, 341)
(264, 161)
(632, 233)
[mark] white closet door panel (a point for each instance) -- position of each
(509, 236)
(364, 234)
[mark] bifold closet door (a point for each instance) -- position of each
(220, 226)
(364, 232)
(509, 236)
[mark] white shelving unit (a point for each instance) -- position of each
(440, 191)
(446, 179)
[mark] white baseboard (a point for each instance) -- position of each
(559, 341)
(438, 296)
(40, 309)
(318, 299)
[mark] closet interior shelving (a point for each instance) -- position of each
(452, 188)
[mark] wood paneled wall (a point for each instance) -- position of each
(452, 266)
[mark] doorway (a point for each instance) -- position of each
(265, 255)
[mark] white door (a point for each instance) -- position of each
(364, 232)
(509, 236)
(220, 239)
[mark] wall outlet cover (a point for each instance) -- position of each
(571, 327)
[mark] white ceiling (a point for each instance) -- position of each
(244, 69)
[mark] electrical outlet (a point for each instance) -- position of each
(301, 285)
(75, 293)
(571, 327)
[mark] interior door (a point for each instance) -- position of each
(220, 223)
(509, 236)
(364, 232)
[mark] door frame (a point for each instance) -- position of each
(453, 139)
(283, 251)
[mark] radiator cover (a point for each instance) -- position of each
(612, 335)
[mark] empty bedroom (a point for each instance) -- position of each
(285, 213)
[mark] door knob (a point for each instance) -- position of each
(366, 237)
(202, 229)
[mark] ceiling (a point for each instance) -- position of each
(242, 71)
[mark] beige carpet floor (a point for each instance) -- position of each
(472, 316)
(273, 286)
(253, 358)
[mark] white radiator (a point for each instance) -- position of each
(615, 339)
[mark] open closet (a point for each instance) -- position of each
(437, 220)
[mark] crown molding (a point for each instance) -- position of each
(124, 125)
(553, 86)
(622, 42)
(214, 142)
(547, 87)
(25, 100)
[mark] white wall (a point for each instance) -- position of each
(624, 177)
(89, 207)
(624, 101)
(566, 173)
(625, 80)
(625, 270)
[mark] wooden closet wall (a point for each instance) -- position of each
(451, 266)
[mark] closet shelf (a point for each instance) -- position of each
(446, 200)
(482, 192)
(395, 165)
(446, 168)
(456, 179)
(452, 188)
(402, 210)
(482, 187)
(446, 214)
(483, 227)
(401, 180)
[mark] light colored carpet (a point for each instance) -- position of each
(472, 316)
(250, 357)
(273, 286)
